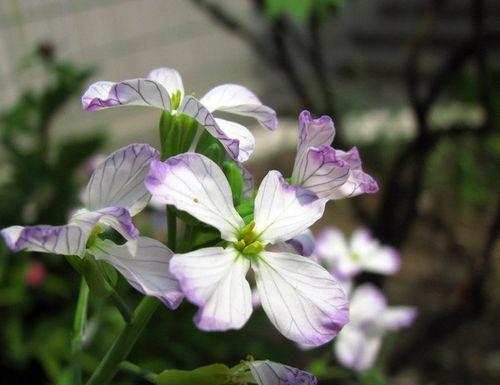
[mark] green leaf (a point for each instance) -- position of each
(176, 133)
(216, 374)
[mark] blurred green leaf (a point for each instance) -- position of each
(216, 374)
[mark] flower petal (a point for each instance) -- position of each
(301, 298)
(65, 240)
(322, 172)
(133, 92)
(248, 183)
(195, 184)
(246, 141)
(192, 107)
(272, 373)
(304, 243)
(397, 317)
(367, 304)
(116, 217)
(119, 180)
(240, 101)
(169, 78)
(355, 350)
(283, 211)
(145, 266)
(333, 250)
(214, 279)
(313, 133)
(374, 257)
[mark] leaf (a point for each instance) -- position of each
(215, 374)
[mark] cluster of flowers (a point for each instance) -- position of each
(304, 301)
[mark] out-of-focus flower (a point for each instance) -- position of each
(361, 253)
(300, 297)
(114, 194)
(272, 373)
(35, 274)
(359, 342)
(327, 172)
(163, 88)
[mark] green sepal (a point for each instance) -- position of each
(248, 219)
(211, 148)
(176, 133)
(216, 374)
(235, 179)
(246, 208)
(98, 276)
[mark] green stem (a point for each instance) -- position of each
(136, 370)
(172, 228)
(123, 344)
(122, 307)
(78, 330)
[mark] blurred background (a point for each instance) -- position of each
(415, 84)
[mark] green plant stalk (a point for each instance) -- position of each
(124, 343)
(78, 330)
(122, 307)
(136, 370)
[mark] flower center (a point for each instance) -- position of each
(175, 99)
(248, 243)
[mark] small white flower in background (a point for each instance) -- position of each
(272, 373)
(114, 194)
(359, 342)
(327, 172)
(346, 258)
(300, 297)
(163, 88)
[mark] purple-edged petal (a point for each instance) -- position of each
(356, 350)
(66, 240)
(195, 184)
(117, 217)
(301, 298)
(283, 211)
(240, 101)
(214, 279)
(133, 92)
(272, 373)
(192, 107)
(145, 265)
(246, 141)
(119, 180)
(304, 243)
(322, 172)
(313, 133)
(169, 78)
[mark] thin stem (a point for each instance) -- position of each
(122, 307)
(136, 370)
(78, 330)
(122, 346)
(171, 228)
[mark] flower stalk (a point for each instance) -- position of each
(78, 330)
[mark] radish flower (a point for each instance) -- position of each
(163, 88)
(113, 195)
(362, 252)
(300, 297)
(327, 172)
(359, 342)
(273, 373)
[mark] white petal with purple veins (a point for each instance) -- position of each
(66, 240)
(195, 184)
(119, 180)
(145, 266)
(313, 133)
(214, 279)
(246, 141)
(169, 78)
(272, 373)
(283, 211)
(239, 100)
(133, 92)
(303, 243)
(301, 298)
(192, 107)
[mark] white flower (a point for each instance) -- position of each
(361, 253)
(163, 89)
(359, 342)
(113, 195)
(300, 297)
